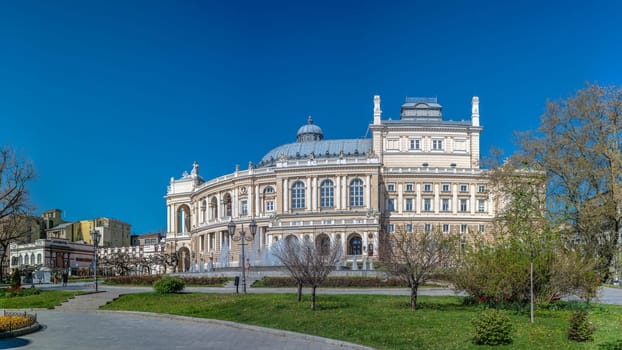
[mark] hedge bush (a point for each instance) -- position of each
(492, 327)
(369, 282)
(166, 285)
(149, 280)
(18, 292)
(581, 328)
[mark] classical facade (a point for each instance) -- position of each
(417, 172)
(51, 255)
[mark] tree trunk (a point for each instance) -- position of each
(413, 297)
(299, 291)
(313, 297)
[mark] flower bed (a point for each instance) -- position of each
(14, 324)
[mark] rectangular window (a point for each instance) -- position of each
(414, 144)
(445, 204)
(244, 208)
(445, 228)
(391, 227)
(463, 228)
(481, 188)
(390, 204)
(427, 228)
(409, 227)
(393, 144)
(464, 205)
(481, 205)
(437, 145)
(427, 187)
(481, 228)
(464, 188)
(408, 204)
(427, 204)
(269, 206)
(391, 187)
(409, 187)
(445, 188)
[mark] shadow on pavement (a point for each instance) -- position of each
(13, 343)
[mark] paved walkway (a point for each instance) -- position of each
(77, 324)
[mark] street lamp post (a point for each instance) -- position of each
(242, 239)
(95, 235)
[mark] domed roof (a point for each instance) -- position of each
(320, 149)
(309, 132)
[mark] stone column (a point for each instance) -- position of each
(368, 192)
(418, 204)
(436, 199)
(337, 192)
(314, 192)
(472, 200)
(285, 196)
(309, 194)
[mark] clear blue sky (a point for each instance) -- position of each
(109, 99)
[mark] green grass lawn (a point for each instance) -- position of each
(380, 321)
(48, 299)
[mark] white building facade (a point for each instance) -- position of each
(416, 173)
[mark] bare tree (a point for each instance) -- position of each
(288, 253)
(414, 257)
(15, 174)
(12, 229)
(320, 262)
(309, 264)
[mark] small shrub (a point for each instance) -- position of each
(492, 327)
(581, 328)
(168, 285)
(16, 279)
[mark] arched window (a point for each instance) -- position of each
(322, 243)
(32, 258)
(356, 193)
(204, 210)
(269, 190)
(355, 246)
(39, 258)
(327, 194)
(26, 261)
(298, 195)
(21, 260)
(227, 204)
(183, 219)
(14, 260)
(213, 208)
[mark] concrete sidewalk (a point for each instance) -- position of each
(77, 324)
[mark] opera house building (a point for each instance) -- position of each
(416, 173)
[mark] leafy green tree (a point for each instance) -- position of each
(497, 268)
(578, 146)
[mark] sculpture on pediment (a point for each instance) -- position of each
(195, 168)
